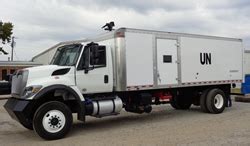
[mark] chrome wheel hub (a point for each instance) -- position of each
(218, 101)
(54, 121)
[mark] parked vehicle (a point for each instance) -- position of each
(5, 87)
(126, 68)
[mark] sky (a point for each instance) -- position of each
(40, 24)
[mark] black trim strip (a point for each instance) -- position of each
(60, 72)
(237, 94)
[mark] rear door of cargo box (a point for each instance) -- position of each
(139, 59)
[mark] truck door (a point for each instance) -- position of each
(94, 72)
(167, 66)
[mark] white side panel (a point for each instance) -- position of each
(167, 68)
(247, 63)
(139, 59)
(226, 60)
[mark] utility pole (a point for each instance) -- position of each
(13, 43)
(1, 33)
(1, 29)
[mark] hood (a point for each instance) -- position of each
(48, 72)
(43, 76)
(46, 67)
(45, 70)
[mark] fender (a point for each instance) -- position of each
(80, 101)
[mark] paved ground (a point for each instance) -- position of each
(164, 126)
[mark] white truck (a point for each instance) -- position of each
(126, 68)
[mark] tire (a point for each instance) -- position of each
(216, 101)
(203, 102)
(173, 103)
(196, 101)
(52, 120)
(184, 102)
(181, 102)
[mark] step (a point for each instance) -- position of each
(2, 97)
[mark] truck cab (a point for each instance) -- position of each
(89, 68)
(76, 70)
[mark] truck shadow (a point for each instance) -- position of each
(96, 125)
(93, 125)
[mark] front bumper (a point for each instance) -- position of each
(20, 110)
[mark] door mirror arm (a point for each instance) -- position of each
(87, 69)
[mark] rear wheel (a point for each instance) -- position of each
(203, 102)
(173, 103)
(52, 120)
(181, 102)
(216, 101)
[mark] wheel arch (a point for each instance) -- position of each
(45, 95)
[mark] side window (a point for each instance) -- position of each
(98, 57)
(167, 58)
(92, 57)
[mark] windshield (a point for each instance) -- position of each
(67, 55)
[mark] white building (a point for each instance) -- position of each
(46, 56)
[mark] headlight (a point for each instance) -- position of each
(31, 90)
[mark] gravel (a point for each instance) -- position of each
(164, 126)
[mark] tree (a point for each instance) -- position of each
(5, 34)
(6, 31)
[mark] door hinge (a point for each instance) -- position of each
(177, 45)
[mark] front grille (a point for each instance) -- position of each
(19, 81)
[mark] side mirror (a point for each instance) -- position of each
(95, 54)
(96, 51)
(89, 55)
(86, 60)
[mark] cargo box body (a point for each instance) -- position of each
(146, 59)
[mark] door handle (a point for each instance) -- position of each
(106, 79)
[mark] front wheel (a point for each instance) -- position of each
(52, 120)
